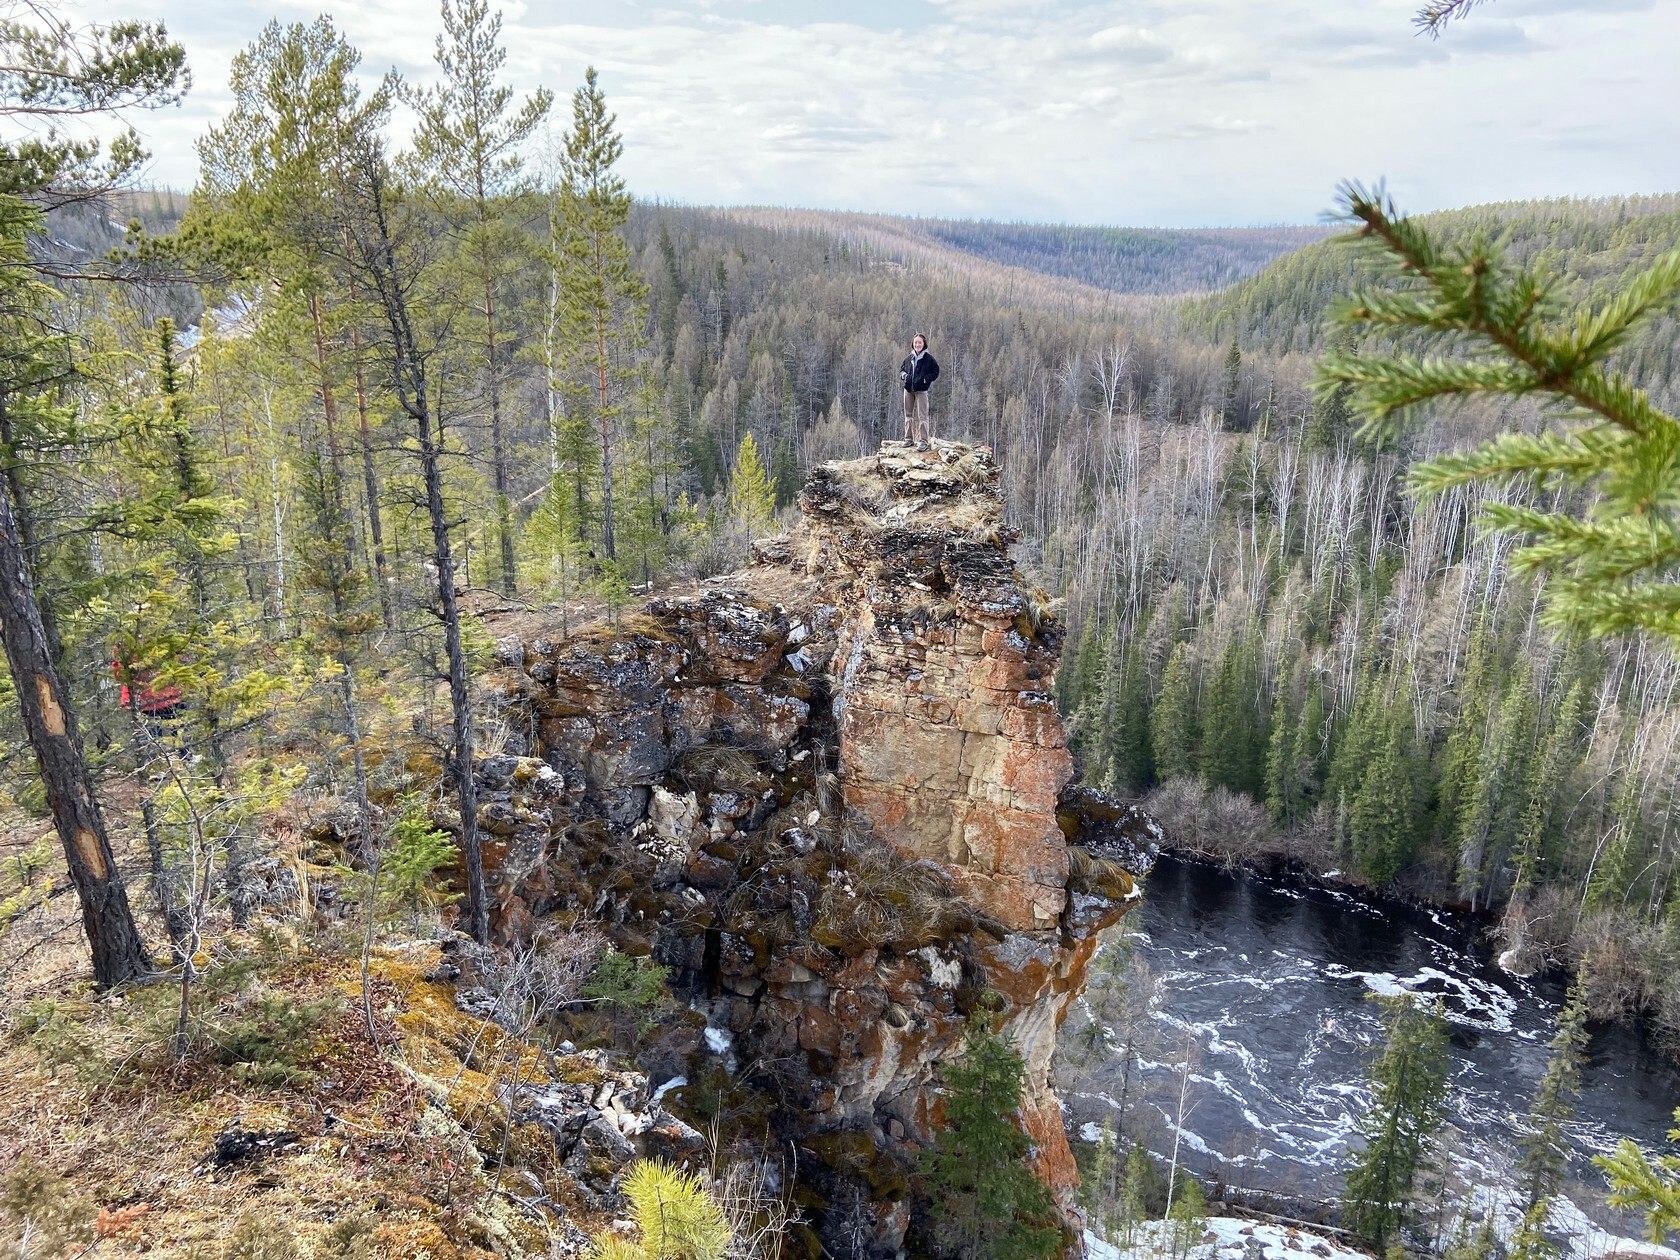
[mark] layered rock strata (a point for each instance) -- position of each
(828, 792)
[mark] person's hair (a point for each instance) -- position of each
(923, 336)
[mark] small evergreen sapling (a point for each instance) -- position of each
(1544, 1149)
(1409, 1089)
(675, 1216)
(985, 1202)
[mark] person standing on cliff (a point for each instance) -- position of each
(918, 372)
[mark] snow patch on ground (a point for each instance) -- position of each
(1236, 1238)
(1227, 1238)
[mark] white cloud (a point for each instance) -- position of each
(1137, 111)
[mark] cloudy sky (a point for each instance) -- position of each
(1141, 112)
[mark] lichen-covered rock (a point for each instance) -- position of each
(831, 794)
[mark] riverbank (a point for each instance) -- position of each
(1630, 964)
(1239, 1006)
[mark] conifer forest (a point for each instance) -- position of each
(480, 650)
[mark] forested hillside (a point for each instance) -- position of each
(1120, 260)
(1584, 245)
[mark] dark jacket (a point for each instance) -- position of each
(926, 372)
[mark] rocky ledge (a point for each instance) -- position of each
(831, 794)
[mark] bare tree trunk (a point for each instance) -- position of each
(498, 444)
(370, 482)
(608, 542)
(119, 957)
(408, 372)
(329, 409)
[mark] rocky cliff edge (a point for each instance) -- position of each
(831, 793)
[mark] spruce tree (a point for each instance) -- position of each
(1529, 1242)
(1648, 1184)
(1462, 759)
(1132, 756)
(986, 1204)
(1492, 801)
(1544, 1150)
(1172, 721)
(1284, 799)
(1383, 812)
(1231, 408)
(1409, 1089)
(1230, 736)
(1554, 763)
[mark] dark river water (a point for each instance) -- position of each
(1266, 983)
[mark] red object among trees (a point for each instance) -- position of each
(153, 701)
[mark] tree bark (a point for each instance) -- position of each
(408, 371)
(498, 444)
(119, 957)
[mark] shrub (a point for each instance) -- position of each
(633, 989)
(45, 1209)
(263, 1041)
(260, 1238)
(58, 1037)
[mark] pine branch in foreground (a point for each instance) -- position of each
(1464, 321)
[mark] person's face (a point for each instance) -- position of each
(917, 344)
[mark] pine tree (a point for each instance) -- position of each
(469, 140)
(1409, 1089)
(602, 298)
(675, 1216)
(129, 65)
(1610, 565)
(987, 1204)
(1544, 1156)
(1172, 720)
(388, 262)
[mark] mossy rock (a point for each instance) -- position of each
(854, 1152)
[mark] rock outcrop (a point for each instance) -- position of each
(828, 792)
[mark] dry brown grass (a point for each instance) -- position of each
(404, 1143)
(877, 896)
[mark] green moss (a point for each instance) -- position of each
(854, 1152)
